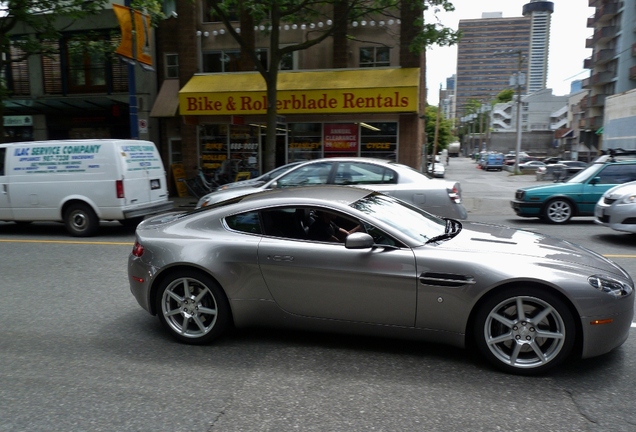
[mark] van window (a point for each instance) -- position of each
(3, 151)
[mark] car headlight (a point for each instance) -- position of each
(610, 285)
(203, 202)
(629, 199)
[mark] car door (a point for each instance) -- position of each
(605, 179)
(5, 203)
(326, 280)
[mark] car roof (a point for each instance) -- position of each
(326, 193)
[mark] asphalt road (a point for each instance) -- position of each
(78, 354)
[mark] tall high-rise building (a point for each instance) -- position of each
(539, 12)
(494, 48)
(488, 55)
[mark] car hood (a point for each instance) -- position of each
(554, 188)
(624, 189)
(495, 239)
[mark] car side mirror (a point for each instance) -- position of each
(595, 180)
(359, 241)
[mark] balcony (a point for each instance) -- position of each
(587, 63)
(597, 100)
(604, 56)
(600, 78)
(586, 83)
(604, 34)
(589, 42)
(584, 103)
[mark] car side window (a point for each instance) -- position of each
(2, 154)
(617, 174)
(358, 173)
(312, 174)
(245, 222)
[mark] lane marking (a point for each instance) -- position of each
(67, 242)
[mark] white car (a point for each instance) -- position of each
(617, 208)
(437, 169)
(436, 196)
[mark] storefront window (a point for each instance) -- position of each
(341, 139)
(379, 140)
(214, 149)
(229, 150)
(305, 141)
(243, 159)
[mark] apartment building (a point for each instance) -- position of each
(612, 64)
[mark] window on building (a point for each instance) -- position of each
(171, 65)
(375, 57)
(85, 71)
(227, 60)
(16, 72)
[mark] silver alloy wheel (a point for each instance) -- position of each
(524, 332)
(558, 211)
(189, 308)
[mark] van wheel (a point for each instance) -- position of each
(80, 220)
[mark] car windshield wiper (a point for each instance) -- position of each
(452, 229)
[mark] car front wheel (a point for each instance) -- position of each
(192, 307)
(525, 330)
(558, 211)
(80, 220)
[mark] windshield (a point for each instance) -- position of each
(585, 174)
(411, 221)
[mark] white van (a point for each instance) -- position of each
(81, 182)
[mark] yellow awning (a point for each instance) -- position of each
(329, 91)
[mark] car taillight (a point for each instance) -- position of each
(454, 195)
(119, 186)
(138, 249)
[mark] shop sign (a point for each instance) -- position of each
(368, 100)
(341, 137)
(18, 121)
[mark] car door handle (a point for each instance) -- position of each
(287, 258)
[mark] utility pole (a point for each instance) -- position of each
(518, 80)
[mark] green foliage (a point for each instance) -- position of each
(445, 134)
(505, 95)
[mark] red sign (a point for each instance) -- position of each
(341, 137)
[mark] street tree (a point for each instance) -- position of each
(444, 130)
(339, 13)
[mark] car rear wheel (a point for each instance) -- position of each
(525, 330)
(80, 220)
(192, 307)
(558, 211)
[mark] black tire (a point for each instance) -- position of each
(512, 341)
(80, 220)
(558, 211)
(23, 222)
(192, 307)
(132, 222)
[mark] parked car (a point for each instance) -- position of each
(551, 160)
(578, 195)
(440, 197)
(525, 300)
(617, 208)
(492, 161)
(560, 171)
(438, 170)
(531, 165)
(257, 181)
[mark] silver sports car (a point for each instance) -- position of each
(437, 196)
(342, 259)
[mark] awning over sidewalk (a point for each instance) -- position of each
(167, 100)
(388, 90)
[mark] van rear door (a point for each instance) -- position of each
(5, 203)
(144, 177)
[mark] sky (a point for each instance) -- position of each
(568, 31)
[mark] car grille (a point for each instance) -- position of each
(608, 201)
(520, 194)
